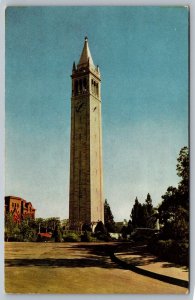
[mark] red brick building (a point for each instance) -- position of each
(19, 207)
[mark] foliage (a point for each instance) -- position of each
(27, 232)
(47, 225)
(174, 209)
(171, 250)
(11, 228)
(142, 214)
(86, 227)
(71, 237)
(124, 232)
(57, 235)
(52, 223)
(28, 229)
(108, 218)
(87, 236)
(101, 232)
(136, 214)
(183, 170)
(173, 241)
(100, 228)
(65, 224)
(129, 227)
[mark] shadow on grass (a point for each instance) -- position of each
(52, 262)
(92, 255)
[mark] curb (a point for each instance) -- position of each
(165, 278)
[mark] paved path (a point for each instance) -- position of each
(137, 255)
(74, 268)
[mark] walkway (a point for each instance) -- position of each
(137, 256)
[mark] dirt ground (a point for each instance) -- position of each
(73, 268)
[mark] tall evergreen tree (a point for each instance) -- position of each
(141, 214)
(137, 215)
(108, 217)
(149, 211)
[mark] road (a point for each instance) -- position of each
(73, 268)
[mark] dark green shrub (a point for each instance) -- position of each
(88, 237)
(103, 237)
(100, 228)
(71, 237)
(171, 250)
(86, 227)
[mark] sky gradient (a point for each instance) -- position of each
(142, 53)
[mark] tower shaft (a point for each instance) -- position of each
(86, 174)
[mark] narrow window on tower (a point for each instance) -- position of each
(76, 87)
(92, 85)
(84, 85)
(80, 86)
(96, 88)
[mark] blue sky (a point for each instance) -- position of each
(143, 57)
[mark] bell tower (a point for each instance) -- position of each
(86, 180)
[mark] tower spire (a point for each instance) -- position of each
(86, 54)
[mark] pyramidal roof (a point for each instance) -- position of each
(86, 54)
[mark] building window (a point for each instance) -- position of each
(80, 86)
(84, 85)
(76, 87)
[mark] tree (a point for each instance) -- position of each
(57, 234)
(100, 228)
(11, 227)
(149, 206)
(129, 227)
(39, 224)
(27, 232)
(134, 213)
(86, 227)
(149, 212)
(101, 231)
(65, 224)
(51, 223)
(141, 214)
(174, 209)
(108, 218)
(183, 170)
(138, 214)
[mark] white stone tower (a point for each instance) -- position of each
(86, 175)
